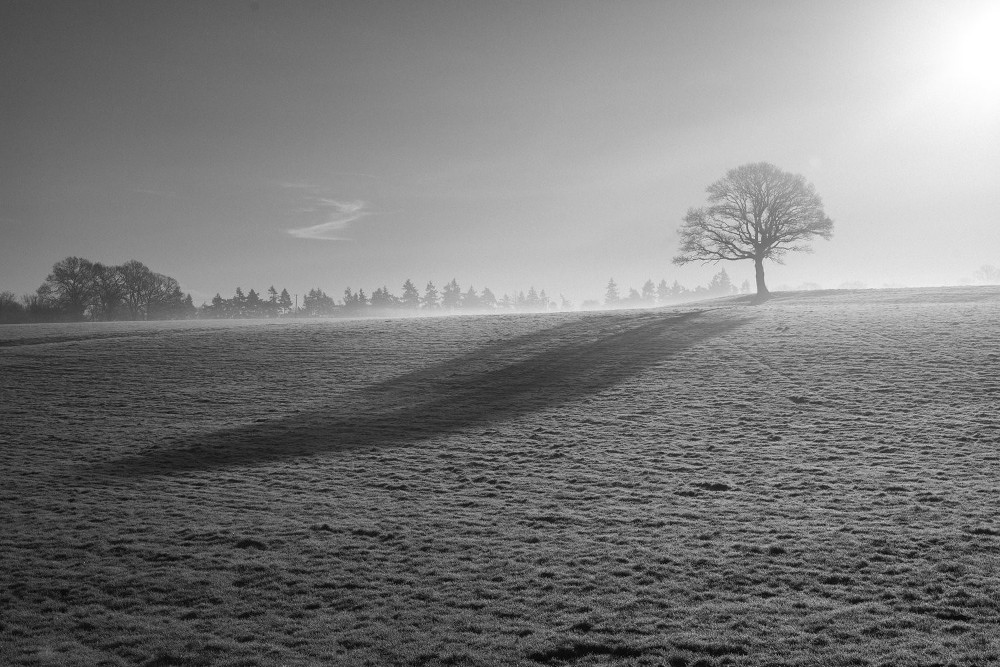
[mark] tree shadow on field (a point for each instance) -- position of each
(494, 383)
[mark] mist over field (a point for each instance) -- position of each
(490, 332)
(808, 481)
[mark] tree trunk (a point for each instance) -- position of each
(758, 265)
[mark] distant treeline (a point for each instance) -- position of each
(317, 303)
(450, 298)
(662, 294)
(80, 290)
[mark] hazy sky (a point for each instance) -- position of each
(553, 143)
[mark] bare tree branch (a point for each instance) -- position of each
(755, 212)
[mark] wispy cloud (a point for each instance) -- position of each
(335, 216)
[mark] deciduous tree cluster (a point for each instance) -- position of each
(78, 289)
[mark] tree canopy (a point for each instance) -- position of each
(755, 212)
(78, 289)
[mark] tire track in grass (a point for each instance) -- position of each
(959, 367)
(811, 400)
(816, 399)
(495, 383)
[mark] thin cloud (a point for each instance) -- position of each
(336, 215)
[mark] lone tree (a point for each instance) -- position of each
(756, 212)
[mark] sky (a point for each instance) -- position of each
(553, 144)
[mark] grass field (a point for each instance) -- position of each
(813, 481)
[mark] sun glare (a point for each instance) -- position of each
(971, 57)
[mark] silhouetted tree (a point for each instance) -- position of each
(354, 301)
(169, 302)
(544, 302)
(451, 295)
(721, 284)
(109, 292)
(662, 292)
(383, 300)
(238, 304)
(271, 305)
(487, 300)
(316, 303)
(411, 297)
(254, 304)
(431, 300)
(470, 300)
(649, 292)
(218, 309)
(139, 287)
(532, 302)
(611, 296)
(755, 212)
(378, 299)
(285, 301)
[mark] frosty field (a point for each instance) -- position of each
(813, 481)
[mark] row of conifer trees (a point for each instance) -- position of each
(662, 294)
(450, 298)
(317, 303)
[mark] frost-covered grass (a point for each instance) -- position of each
(811, 481)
